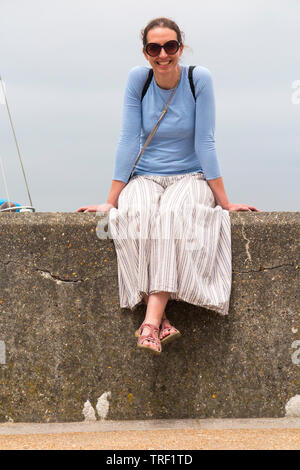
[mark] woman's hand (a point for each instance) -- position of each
(221, 199)
(96, 208)
(240, 207)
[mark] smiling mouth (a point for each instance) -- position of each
(163, 62)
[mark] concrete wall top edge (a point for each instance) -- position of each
(81, 219)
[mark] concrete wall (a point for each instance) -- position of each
(66, 346)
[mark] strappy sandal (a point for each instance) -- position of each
(149, 337)
(171, 336)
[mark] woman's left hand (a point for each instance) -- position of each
(240, 207)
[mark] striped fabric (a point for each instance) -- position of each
(171, 237)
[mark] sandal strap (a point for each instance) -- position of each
(168, 328)
(148, 338)
(151, 339)
(152, 328)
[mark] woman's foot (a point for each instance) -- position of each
(148, 338)
(168, 333)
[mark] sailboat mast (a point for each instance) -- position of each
(15, 138)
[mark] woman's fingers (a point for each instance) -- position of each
(242, 207)
(251, 208)
(96, 208)
(91, 208)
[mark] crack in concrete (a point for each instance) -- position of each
(263, 268)
(48, 275)
(59, 280)
(246, 245)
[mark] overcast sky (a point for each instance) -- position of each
(65, 64)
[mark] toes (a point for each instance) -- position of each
(149, 343)
(152, 345)
(168, 330)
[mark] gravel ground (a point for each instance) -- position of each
(166, 439)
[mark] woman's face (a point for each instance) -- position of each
(163, 63)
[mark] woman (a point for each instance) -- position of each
(170, 219)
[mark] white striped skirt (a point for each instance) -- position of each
(170, 236)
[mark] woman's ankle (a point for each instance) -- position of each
(152, 321)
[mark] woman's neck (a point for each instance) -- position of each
(167, 81)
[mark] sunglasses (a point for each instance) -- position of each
(153, 49)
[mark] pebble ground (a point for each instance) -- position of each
(166, 439)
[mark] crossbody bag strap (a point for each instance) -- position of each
(149, 138)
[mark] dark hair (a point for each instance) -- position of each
(162, 23)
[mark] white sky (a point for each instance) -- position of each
(65, 65)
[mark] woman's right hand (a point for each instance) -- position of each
(96, 208)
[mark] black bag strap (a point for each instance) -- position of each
(150, 75)
(191, 68)
(146, 86)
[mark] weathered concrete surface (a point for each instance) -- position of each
(68, 342)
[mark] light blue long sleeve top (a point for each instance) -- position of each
(184, 141)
